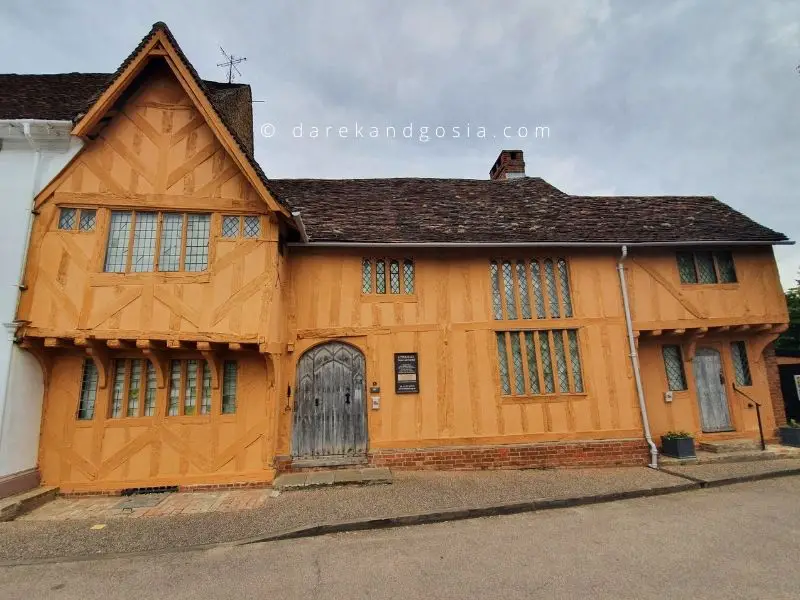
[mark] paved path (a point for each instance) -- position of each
(740, 541)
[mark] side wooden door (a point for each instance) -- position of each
(710, 381)
(330, 407)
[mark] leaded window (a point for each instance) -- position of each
(77, 219)
(741, 366)
(140, 242)
(523, 288)
(144, 242)
(190, 388)
(88, 394)
(131, 378)
(68, 218)
(532, 363)
(706, 267)
(246, 226)
(197, 232)
(393, 276)
(673, 365)
(229, 384)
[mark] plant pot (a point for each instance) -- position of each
(790, 436)
(678, 447)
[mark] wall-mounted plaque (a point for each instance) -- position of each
(406, 373)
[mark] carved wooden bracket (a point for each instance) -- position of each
(690, 345)
(271, 362)
(157, 358)
(758, 345)
(98, 352)
(213, 362)
(45, 359)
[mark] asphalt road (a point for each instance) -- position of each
(741, 541)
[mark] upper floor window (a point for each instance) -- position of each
(741, 366)
(381, 276)
(246, 226)
(77, 219)
(706, 267)
(153, 241)
(524, 288)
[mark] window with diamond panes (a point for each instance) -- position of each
(540, 362)
(392, 276)
(741, 366)
(140, 242)
(88, 393)
(673, 365)
(706, 267)
(134, 391)
(77, 219)
(68, 218)
(245, 226)
(230, 374)
(524, 288)
(231, 226)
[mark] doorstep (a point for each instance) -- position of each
(19, 504)
(704, 457)
(368, 476)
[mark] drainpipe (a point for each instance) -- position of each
(637, 376)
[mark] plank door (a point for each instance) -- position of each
(710, 380)
(330, 407)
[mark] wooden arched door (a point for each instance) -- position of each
(330, 408)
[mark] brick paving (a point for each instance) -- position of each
(179, 503)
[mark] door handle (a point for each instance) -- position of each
(316, 401)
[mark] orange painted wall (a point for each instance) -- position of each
(155, 154)
(449, 323)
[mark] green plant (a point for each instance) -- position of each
(677, 435)
(790, 339)
(793, 424)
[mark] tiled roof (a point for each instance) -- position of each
(517, 211)
(67, 96)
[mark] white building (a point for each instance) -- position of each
(32, 152)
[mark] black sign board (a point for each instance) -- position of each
(406, 373)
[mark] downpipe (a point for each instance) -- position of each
(637, 376)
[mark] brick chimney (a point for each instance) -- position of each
(509, 165)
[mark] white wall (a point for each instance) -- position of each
(22, 176)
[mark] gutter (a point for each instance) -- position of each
(333, 244)
(635, 360)
(298, 220)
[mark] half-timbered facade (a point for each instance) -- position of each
(198, 324)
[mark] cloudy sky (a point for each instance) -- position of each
(641, 97)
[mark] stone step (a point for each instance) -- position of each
(369, 476)
(19, 504)
(724, 446)
(772, 452)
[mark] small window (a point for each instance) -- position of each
(741, 366)
(229, 383)
(246, 226)
(673, 365)
(189, 388)
(400, 276)
(539, 362)
(80, 219)
(88, 390)
(539, 286)
(706, 267)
